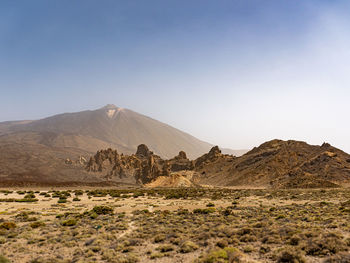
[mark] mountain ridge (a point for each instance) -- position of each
(274, 164)
(124, 129)
(82, 133)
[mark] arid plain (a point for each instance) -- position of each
(175, 225)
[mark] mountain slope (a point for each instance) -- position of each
(281, 164)
(276, 164)
(109, 126)
(36, 150)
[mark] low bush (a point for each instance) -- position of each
(8, 225)
(4, 259)
(103, 210)
(37, 224)
(228, 254)
(69, 222)
(188, 246)
(204, 211)
(291, 256)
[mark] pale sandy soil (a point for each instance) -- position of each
(112, 236)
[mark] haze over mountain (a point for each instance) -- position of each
(58, 148)
(106, 127)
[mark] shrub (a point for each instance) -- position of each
(8, 200)
(165, 248)
(69, 222)
(78, 192)
(227, 212)
(4, 259)
(228, 254)
(188, 246)
(103, 210)
(26, 200)
(204, 211)
(156, 255)
(93, 215)
(159, 238)
(37, 224)
(342, 257)
(8, 225)
(138, 194)
(290, 256)
(62, 200)
(29, 196)
(222, 243)
(324, 245)
(294, 240)
(183, 211)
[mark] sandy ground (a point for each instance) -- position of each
(43, 242)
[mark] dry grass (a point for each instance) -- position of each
(176, 225)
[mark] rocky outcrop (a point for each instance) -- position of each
(213, 155)
(141, 168)
(180, 163)
(143, 151)
(81, 161)
(276, 164)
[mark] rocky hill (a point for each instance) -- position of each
(282, 164)
(276, 164)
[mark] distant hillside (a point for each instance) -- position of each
(35, 150)
(109, 126)
(281, 164)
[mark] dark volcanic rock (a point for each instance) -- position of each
(213, 155)
(180, 163)
(143, 151)
(182, 155)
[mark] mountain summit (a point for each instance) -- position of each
(40, 147)
(109, 126)
(110, 106)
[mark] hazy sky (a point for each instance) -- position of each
(234, 73)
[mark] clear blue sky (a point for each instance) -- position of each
(234, 73)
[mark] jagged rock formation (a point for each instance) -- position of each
(180, 163)
(212, 156)
(278, 164)
(144, 167)
(143, 151)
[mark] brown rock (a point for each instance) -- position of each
(143, 151)
(182, 155)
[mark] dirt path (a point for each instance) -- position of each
(131, 227)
